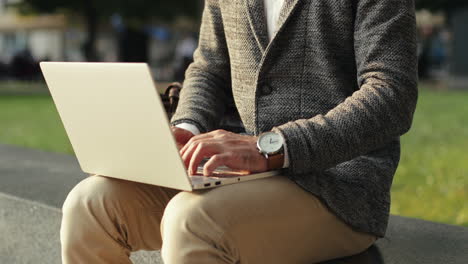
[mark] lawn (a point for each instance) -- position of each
(431, 181)
(32, 121)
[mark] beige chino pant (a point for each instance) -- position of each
(269, 220)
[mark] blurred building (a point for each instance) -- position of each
(60, 38)
(442, 49)
(46, 37)
(434, 45)
(459, 62)
(43, 36)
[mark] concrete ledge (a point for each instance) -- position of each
(410, 240)
(30, 234)
(38, 175)
(35, 183)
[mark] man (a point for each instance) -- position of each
(335, 83)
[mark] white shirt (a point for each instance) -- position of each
(272, 12)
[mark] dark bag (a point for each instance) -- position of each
(230, 122)
(170, 98)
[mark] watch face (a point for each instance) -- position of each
(270, 142)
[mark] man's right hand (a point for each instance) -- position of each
(181, 135)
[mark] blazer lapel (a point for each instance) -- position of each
(257, 20)
(286, 11)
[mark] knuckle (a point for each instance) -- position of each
(221, 131)
(231, 154)
(193, 142)
(216, 159)
(202, 145)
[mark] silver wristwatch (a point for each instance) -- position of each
(270, 143)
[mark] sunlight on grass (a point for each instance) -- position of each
(32, 121)
(431, 181)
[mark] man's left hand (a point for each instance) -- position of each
(223, 148)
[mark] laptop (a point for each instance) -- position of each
(118, 127)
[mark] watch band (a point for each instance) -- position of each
(275, 161)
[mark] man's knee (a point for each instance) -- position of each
(194, 211)
(196, 223)
(93, 193)
(179, 208)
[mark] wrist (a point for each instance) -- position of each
(275, 162)
(271, 146)
(189, 127)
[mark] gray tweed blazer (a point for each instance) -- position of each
(338, 80)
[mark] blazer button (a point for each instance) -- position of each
(266, 89)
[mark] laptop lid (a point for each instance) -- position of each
(116, 122)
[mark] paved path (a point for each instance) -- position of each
(33, 186)
(35, 183)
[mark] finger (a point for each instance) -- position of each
(187, 154)
(204, 136)
(187, 146)
(197, 140)
(214, 162)
(204, 149)
(194, 140)
(190, 150)
(240, 159)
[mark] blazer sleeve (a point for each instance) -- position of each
(383, 106)
(207, 80)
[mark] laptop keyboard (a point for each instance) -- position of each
(222, 171)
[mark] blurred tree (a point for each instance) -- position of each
(135, 13)
(440, 5)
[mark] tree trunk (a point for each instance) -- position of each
(91, 18)
(133, 45)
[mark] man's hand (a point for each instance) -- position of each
(223, 148)
(182, 136)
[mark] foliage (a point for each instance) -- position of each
(134, 9)
(431, 181)
(437, 5)
(135, 13)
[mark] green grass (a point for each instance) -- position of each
(431, 181)
(23, 87)
(32, 121)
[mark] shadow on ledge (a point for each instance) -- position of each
(370, 256)
(411, 241)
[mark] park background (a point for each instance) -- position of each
(432, 180)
